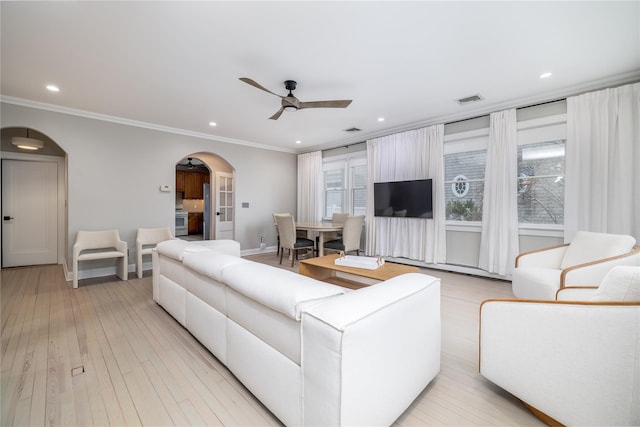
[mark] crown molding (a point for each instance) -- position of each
(485, 109)
(135, 123)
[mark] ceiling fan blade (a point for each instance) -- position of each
(325, 104)
(257, 85)
(277, 114)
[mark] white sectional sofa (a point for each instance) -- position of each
(314, 354)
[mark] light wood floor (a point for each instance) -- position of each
(105, 353)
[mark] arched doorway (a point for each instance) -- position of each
(33, 198)
(204, 197)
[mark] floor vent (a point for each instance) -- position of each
(469, 99)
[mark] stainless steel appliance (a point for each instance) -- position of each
(182, 223)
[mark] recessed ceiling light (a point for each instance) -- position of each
(298, 142)
(53, 88)
(381, 119)
(213, 124)
(545, 75)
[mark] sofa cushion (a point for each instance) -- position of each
(210, 263)
(225, 246)
(536, 282)
(280, 290)
(176, 248)
(588, 246)
(621, 283)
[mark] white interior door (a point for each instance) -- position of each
(29, 213)
(224, 205)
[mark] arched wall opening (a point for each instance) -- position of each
(208, 210)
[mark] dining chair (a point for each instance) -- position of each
(288, 238)
(336, 218)
(277, 233)
(350, 240)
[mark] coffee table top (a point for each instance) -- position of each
(384, 272)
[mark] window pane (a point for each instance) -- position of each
(359, 201)
(334, 202)
(541, 183)
(334, 179)
(464, 184)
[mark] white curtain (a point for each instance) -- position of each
(309, 187)
(417, 154)
(602, 188)
(499, 238)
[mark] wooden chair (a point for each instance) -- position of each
(350, 240)
(288, 238)
(100, 245)
(146, 240)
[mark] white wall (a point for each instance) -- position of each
(115, 171)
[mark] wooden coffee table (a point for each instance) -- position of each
(323, 268)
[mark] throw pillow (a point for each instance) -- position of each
(621, 283)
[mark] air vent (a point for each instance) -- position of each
(469, 99)
(353, 130)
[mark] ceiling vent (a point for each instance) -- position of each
(469, 99)
(352, 130)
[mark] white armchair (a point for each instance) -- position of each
(91, 245)
(572, 362)
(146, 240)
(540, 274)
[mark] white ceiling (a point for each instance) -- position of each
(177, 64)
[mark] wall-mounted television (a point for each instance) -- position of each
(410, 199)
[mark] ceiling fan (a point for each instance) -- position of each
(291, 103)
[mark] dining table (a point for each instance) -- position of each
(322, 228)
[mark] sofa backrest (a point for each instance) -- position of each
(588, 246)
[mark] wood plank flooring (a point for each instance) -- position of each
(106, 354)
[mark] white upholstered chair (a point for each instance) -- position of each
(585, 261)
(276, 225)
(288, 238)
(104, 244)
(350, 240)
(575, 360)
(336, 218)
(146, 240)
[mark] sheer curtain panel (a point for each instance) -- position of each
(416, 154)
(310, 187)
(499, 238)
(602, 188)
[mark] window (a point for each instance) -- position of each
(345, 185)
(541, 183)
(464, 184)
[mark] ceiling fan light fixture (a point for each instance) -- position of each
(290, 108)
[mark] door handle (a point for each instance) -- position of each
(7, 218)
(218, 213)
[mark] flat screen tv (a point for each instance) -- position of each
(410, 199)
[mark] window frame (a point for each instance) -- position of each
(344, 162)
(532, 131)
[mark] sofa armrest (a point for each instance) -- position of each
(593, 272)
(547, 257)
(367, 354)
(579, 363)
(576, 293)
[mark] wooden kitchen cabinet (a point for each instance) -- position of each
(180, 181)
(193, 185)
(195, 222)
